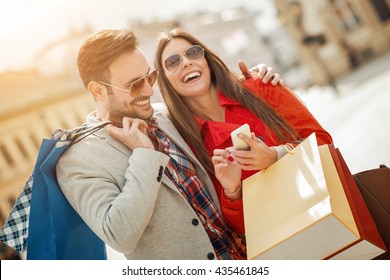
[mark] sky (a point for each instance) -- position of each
(28, 25)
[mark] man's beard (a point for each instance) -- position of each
(117, 117)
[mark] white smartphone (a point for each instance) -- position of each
(238, 143)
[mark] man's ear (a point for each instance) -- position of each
(96, 89)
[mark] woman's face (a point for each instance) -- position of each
(191, 77)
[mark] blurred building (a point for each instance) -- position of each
(32, 106)
(33, 103)
(231, 33)
(333, 37)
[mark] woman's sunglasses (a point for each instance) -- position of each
(136, 87)
(173, 61)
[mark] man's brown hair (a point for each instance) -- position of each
(99, 50)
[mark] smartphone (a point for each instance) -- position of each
(238, 143)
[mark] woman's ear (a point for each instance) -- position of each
(96, 89)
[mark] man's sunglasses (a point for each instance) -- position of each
(173, 61)
(136, 87)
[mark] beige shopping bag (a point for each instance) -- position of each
(297, 209)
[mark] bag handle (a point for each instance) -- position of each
(77, 134)
(81, 135)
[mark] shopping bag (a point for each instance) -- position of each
(51, 229)
(296, 209)
(364, 247)
(374, 185)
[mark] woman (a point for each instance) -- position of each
(207, 102)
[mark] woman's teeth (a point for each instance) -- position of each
(191, 76)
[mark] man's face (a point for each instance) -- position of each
(124, 71)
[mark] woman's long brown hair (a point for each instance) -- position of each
(229, 84)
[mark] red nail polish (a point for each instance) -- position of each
(231, 158)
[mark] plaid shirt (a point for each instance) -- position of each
(227, 244)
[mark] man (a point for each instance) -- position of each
(135, 182)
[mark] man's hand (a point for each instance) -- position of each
(265, 73)
(133, 133)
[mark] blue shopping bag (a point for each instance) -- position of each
(42, 219)
(56, 231)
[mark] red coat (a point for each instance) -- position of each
(216, 135)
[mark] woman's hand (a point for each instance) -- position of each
(227, 172)
(260, 156)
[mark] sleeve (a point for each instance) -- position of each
(233, 213)
(286, 103)
(113, 193)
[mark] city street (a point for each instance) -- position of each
(359, 118)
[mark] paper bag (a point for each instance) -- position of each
(370, 238)
(296, 209)
(374, 185)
